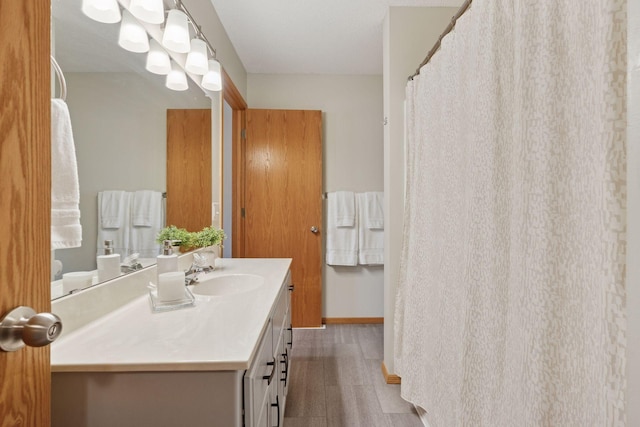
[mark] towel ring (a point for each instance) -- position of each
(61, 80)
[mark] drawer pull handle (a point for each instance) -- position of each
(285, 361)
(277, 406)
(290, 329)
(273, 371)
(291, 287)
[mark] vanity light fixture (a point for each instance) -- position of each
(106, 11)
(197, 59)
(176, 79)
(132, 37)
(158, 61)
(135, 19)
(149, 11)
(213, 79)
(176, 32)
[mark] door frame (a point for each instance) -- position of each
(238, 105)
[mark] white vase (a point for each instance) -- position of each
(211, 253)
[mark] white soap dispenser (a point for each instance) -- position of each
(168, 261)
(109, 263)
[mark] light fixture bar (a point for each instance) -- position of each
(196, 27)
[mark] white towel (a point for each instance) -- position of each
(143, 237)
(113, 208)
(342, 208)
(120, 235)
(372, 210)
(370, 240)
(342, 242)
(66, 231)
(145, 202)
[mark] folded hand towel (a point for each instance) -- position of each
(66, 231)
(146, 204)
(143, 237)
(342, 241)
(370, 240)
(372, 210)
(342, 208)
(121, 234)
(113, 208)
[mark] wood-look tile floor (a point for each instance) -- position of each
(336, 381)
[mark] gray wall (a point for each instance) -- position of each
(352, 160)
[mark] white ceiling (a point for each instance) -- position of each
(310, 36)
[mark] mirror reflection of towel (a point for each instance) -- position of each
(113, 208)
(147, 217)
(117, 225)
(144, 204)
(66, 231)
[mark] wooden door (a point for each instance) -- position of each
(283, 200)
(189, 169)
(25, 197)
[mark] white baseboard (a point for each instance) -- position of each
(318, 327)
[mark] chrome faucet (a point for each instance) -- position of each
(199, 265)
(191, 275)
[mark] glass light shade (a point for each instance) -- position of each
(176, 79)
(158, 61)
(213, 79)
(176, 32)
(106, 11)
(197, 59)
(133, 37)
(150, 11)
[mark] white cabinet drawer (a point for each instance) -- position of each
(257, 379)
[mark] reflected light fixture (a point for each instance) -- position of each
(176, 32)
(158, 61)
(213, 79)
(132, 36)
(197, 59)
(149, 11)
(176, 79)
(106, 11)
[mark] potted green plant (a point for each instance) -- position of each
(208, 236)
(179, 236)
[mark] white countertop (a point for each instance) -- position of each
(219, 333)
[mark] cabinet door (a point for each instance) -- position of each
(263, 420)
(276, 408)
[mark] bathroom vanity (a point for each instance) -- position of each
(223, 362)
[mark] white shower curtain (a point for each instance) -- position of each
(511, 303)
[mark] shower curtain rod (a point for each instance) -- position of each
(446, 31)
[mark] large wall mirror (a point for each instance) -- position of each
(118, 115)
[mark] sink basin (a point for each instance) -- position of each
(228, 284)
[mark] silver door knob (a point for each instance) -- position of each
(23, 326)
(314, 229)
